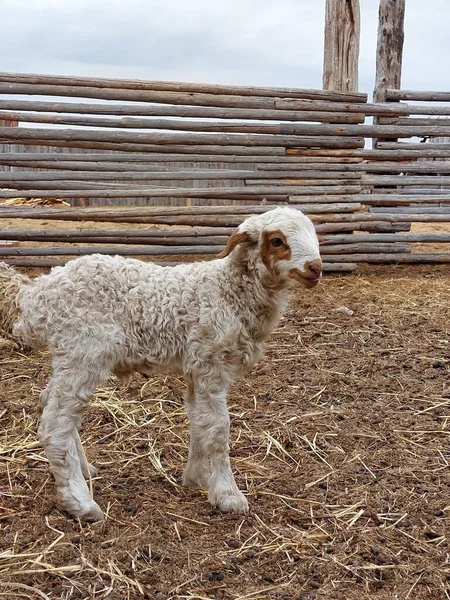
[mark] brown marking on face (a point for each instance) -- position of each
(272, 251)
(235, 238)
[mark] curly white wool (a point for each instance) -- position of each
(209, 321)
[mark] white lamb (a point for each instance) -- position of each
(208, 321)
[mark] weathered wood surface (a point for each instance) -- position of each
(307, 176)
(123, 167)
(186, 250)
(442, 148)
(185, 237)
(396, 94)
(144, 110)
(406, 210)
(164, 97)
(48, 263)
(391, 17)
(259, 134)
(394, 258)
(77, 190)
(247, 126)
(279, 157)
(119, 213)
(257, 164)
(176, 86)
(383, 153)
(22, 134)
(9, 212)
(388, 238)
(341, 46)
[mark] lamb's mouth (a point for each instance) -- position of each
(308, 281)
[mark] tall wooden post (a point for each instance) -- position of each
(341, 45)
(391, 18)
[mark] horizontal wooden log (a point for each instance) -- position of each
(159, 110)
(191, 236)
(375, 109)
(48, 263)
(289, 169)
(242, 126)
(403, 180)
(394, 196)
(383, 167)
(114, 237)
(393, 258)
(420, 96)
(129, 158)
(381, 154)
(414, 146)
(152, 149)
(184, 249)
(416, 122)
(214, 220)
(120, 167)
(364, 248)
(388, 238)
(178, 86)
(119, 213)
(308, 176)
(154, 96)
(111, 250)
(424, 210)
(296, 181)
(160, 235)
(367, 226)
(232, 127)
(391, 217)
(165, 123)
(15, 134)
(76, 190)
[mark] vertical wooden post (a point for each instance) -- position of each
(391, 18)
(341, 45)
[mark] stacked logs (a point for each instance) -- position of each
(211, 155)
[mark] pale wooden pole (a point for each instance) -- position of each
(341, 45)
(391, 18)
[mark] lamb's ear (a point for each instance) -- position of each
(236, 238)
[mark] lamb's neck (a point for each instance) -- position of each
(260, 305)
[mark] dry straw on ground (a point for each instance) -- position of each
(340, 438)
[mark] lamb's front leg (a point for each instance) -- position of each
(197, 472)
(211, 423)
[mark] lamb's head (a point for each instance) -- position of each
(281, 244)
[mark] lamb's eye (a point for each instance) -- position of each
(276, 242)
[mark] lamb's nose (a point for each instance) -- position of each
(314, 268)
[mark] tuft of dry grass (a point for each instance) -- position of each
(340, 439)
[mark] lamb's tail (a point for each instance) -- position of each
(12, 283)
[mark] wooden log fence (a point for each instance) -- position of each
(184, 143)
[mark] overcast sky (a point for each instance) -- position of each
(254, 42)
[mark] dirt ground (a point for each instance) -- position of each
(340, 439)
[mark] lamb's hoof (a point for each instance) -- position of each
(232, 501)
(91, 512)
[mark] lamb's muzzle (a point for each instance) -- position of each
(209, 321)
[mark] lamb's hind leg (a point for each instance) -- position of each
(66, 395)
